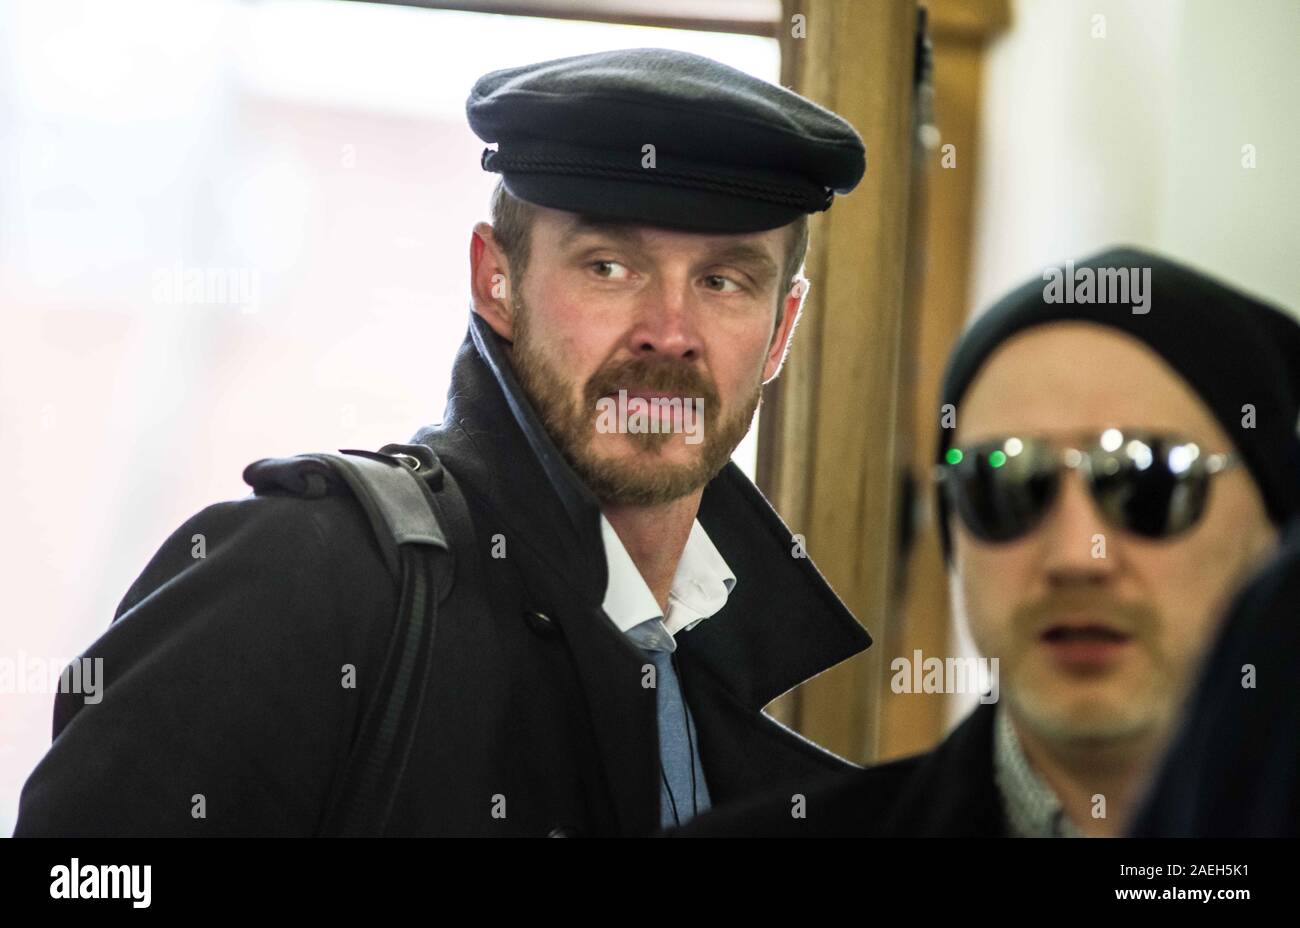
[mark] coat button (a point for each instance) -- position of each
(541, 624)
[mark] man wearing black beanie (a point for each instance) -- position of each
(1119, 449)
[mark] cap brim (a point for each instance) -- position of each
(650, 204)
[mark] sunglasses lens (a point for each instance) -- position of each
(1001, 490)
(1154, 487)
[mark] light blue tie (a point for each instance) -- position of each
(683, 792)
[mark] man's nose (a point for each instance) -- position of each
(1078, 545)
(666, 324)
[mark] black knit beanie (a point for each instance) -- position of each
(1233, 350)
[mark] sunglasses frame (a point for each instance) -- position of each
(1073, 457)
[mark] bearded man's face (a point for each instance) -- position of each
(644, 350)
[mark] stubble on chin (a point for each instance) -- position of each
(644, 478)
(1127, 703)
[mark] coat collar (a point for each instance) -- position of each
(952, 792)
(782, 624)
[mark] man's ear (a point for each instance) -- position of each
(489, 276)
(791, 309)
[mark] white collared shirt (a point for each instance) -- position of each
(700, 589)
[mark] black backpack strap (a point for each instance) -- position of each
(386, 485)
(404, 494)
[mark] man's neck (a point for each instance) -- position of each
(655, 537)
(1115, 770)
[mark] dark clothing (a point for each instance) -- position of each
(948, 792)
(224, 674)
(1234, 769)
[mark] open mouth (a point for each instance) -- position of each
(1060, 634)
(1085, 646)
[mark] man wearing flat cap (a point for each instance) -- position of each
(625, 601)
(1118, 458)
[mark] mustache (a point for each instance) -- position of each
(669, 377)
(1138, 620)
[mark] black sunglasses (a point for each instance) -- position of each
(1149, 483)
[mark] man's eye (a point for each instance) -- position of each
(721, 284)
(609, 270)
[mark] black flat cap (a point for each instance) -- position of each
(731, 153)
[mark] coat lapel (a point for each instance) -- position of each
(622, 710)
(782, 623)
(952, 792)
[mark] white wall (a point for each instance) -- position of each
(1136, 138)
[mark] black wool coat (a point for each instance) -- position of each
(948, 792)
(224, 711)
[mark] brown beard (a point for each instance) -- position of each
(642, 480)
